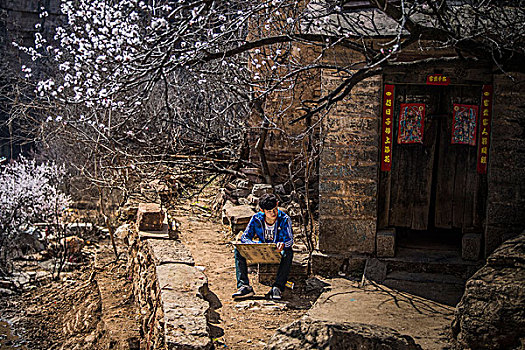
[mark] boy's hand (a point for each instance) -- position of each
(280, 246)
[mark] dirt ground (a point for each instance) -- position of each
(87, 308)
(237, 325)
(47, 317)
(250, 326)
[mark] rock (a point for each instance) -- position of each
(123, 231)
(375, 270)
(307, 333)
(244, 201)
(238, 215)
(183, 290)
(79, 228)
(150, 217)
(491, 313)
(293, 210)
(73, 244)
(279, 189)
(259, 189)
(254, 175)
(170, 251)
(253, 200)
(241, 192)
(4, 292)
(129, 210)
(227, 205)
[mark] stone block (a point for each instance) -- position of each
(170, 251)
(386, 243)
(327, 264)
(240, 214)
(150, 217)
(183, 291)
(253, 199)
(338, 235)
(259, 189)
(241, 192)
(471, 246)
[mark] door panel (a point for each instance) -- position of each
(456, 177)
(434, 184)
(412, 164)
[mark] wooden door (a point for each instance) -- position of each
(433, 184)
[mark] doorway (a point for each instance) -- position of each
(433, 193)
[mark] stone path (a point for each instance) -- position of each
(426, 321)
(237, 325)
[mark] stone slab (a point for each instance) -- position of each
(170, 251)
(259, 189)
(240, 214)
(386, 243)
(183, 288)
(150, 217)
(308, 333)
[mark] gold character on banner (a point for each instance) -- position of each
(484, 150)
(388, 103)
(484, 132)
(387, 140)
(486, 103)
(387, 122)
(484, 141)
(387, 149)
(388, 93)
(485, 112)
(387, 159)
(388, 111)
(485, 122)
(483, 160)
(387, 130)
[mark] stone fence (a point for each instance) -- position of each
(170, 292)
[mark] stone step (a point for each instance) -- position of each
(433, 262)
(424, 277)
(445, 293)
(298, 273)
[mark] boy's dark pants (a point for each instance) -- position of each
(241, 269)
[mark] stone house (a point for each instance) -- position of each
(382, 194)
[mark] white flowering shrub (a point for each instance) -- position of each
(29, 193)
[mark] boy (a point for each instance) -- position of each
(270, 225)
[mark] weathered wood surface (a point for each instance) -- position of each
(259, 253)
(434, 184)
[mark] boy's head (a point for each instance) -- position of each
(268, 201)
(268, 204)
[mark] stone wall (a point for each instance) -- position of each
(348, 169)
(170, 293)
(506, 171)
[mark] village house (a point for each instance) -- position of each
(420, 159)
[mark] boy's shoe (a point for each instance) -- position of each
(243, 292)
(274, 294)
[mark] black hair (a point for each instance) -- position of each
(268, 201)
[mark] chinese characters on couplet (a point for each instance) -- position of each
(387, 128)
(484, 128)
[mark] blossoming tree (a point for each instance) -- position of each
(29, 193)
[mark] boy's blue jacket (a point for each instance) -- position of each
(282, 229)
